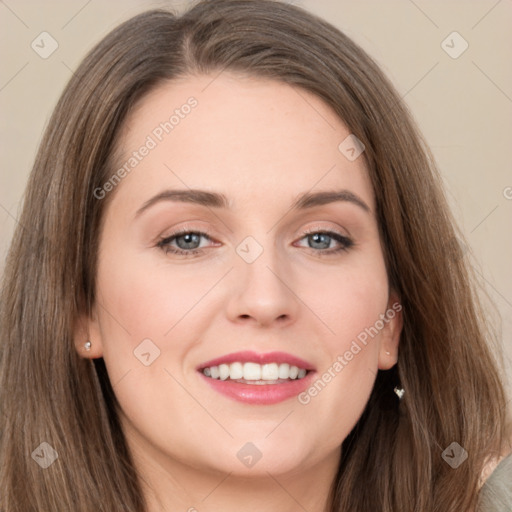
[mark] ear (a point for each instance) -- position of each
(87, 329)
(390, 334)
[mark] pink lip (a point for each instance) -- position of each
(256, 394)
(248, 356)
(264, 394)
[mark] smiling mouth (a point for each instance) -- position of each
(254, 373)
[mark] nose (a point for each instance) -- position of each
(262, 291)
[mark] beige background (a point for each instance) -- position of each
(463, 105)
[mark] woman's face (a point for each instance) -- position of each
(291, 273)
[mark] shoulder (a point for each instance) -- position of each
(496, 491)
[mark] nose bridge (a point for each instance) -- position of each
(262, 281)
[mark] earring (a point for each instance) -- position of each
(87, 345)
(399, 392)
(388, 353)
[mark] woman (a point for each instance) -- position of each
(236, 283)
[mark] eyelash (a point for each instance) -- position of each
(345, 242)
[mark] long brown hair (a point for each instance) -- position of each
(392, 460)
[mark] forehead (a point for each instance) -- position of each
(243, 136)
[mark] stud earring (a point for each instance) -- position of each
(399, 392)
(87, 345)
(388, 352)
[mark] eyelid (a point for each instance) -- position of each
(338, 229)
(185, 230)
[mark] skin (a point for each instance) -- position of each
(261, 143)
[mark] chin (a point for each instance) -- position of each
(258, 457)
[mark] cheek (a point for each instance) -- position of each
(150, 300)
(151, 313)
(350, 301)
(351, 305)
(148, 309)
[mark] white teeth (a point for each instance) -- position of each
(284, 371)
(236, 371)
(252, 371)
(270, 372)
(223, 371)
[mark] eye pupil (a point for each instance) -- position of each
(317, 239)
(190, 238)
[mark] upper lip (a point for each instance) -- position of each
(248, 356)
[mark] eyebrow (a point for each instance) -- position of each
(218, 200)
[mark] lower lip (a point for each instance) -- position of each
(264, 394)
